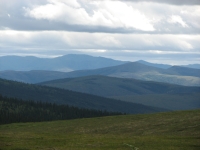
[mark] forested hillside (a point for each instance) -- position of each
(15, 110)
(61, 96)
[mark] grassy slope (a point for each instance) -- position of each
(162, 131)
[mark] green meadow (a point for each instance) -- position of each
(161, 131)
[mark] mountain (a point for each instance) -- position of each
(163, 66)
(166, 66)
(149, 93)
(60, 96)
(132, 70)
(195, 66)
(64, 63)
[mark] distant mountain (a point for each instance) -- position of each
(163, 66)
(150, 93)
(132, 70)
(166, 66)
(195, 66)
(64, 63)
(60, 96)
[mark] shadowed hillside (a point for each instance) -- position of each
(60, 96)
(169, 96)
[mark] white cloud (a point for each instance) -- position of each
(121, 29)
(107, 41)
(105, 13)
(177, 19)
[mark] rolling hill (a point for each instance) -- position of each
(112, 86)
(174, 97)
(63, 63)
(184, 71)
(33, 76)
(59, 96)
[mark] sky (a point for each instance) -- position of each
(158, 31)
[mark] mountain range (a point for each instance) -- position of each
(64, 63)
(130, 87)
(135, 70)
(68, 63)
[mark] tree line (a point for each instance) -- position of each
(13, 110)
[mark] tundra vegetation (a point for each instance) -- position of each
(160, 131)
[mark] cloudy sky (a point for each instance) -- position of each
(160, 31)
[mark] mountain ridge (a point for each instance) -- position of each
(63, 63)
(173, 75)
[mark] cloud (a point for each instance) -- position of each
(100, 16)
(107, 41)
(177, 19)
(107, 14)
(173, 2)
(125, 29)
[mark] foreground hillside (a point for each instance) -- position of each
(162, 131)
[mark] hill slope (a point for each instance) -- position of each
(162, 131)
(149, 93)
(59, 96)
(184, 71)
(13, 110)
(33, 76)
(112, 86)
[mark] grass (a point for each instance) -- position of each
(162, 131)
